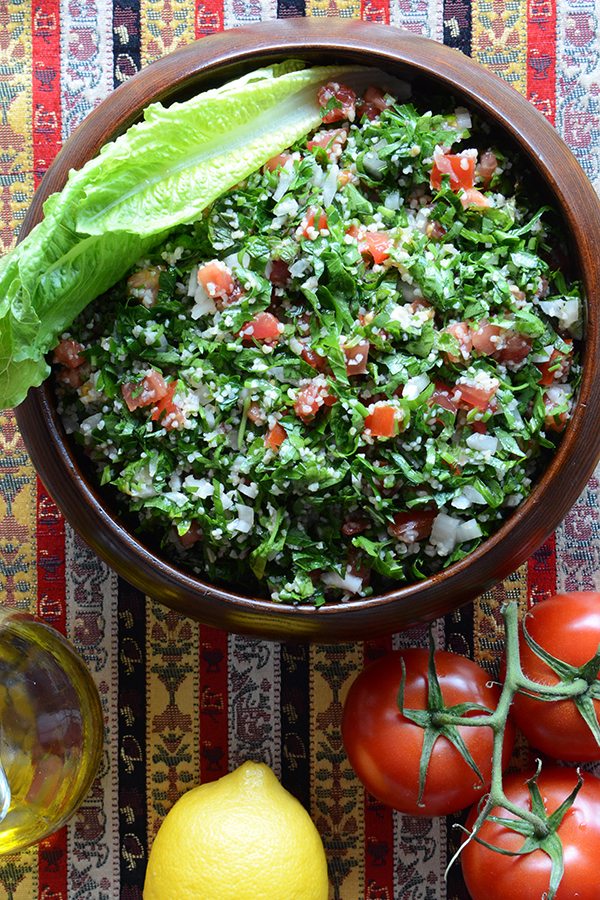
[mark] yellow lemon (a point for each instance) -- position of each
(243, 837)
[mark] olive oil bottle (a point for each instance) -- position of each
(51, 730)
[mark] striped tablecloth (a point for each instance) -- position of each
(185, 703)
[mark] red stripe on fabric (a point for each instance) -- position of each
(51, 607)
(379, 818)
(541, 572)
(45, 31)
(214, 755)
(541, 56)
(375, 11)
(209, 17)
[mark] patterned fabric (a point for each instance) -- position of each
(184, 703)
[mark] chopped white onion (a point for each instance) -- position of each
(484, 443)
(468, 531)
(350, 582)
(330, 185)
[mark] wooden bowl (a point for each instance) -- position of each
(216, 59)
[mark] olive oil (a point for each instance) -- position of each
(51, 730)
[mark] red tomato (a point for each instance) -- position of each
(473, 197)
(383, 421)
(68, 354)
(312, 223)
(373, 103)
(276, 162)
(486, 166)
(344, 95)
(191, 537)
(515, 348)
(166, 411)
(357, 358)
(462, 332)
(461, 170)
(314, 359)
(378, 244)
(555, 368)
(256, 414)
(486, 338)
(216, 279)
(311, 398)
(442, 396)
(384, 747)
(412, 525)
(280, 273)
(489, 875)
(152, 389)
(472, 397)
(275, 437)
(355, 525)
(568, 627)
(331, 141)
(263, 327)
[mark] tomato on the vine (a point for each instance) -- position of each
(490, 875)
(568, 627)
(384, 747)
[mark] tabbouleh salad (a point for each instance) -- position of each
(347, 374)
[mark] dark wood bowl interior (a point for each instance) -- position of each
(428, 65)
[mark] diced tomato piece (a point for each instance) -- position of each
(166, 411)
(263, 327)
(515, 348)
(345, 177)
(280, 273)
(191, 537)
(68, 354)
(355, 525)
(378, 245)
(144, 284)
(435, 230)
(311, 398)
(382, 421)
(461, 170)
(357, 358)
(275, 437)
(442, 396)
(486, 166)
(469, 396)
(473, 197)
(487, 338)
(479, 427)
(555, 368)
(413, 525)
(256, 414)
(313, 222)
(152, 389)
(276, 162)
(462, 332)
(332, 141)
(74, 378)
(216, 279)
(343, 95)
(556, 423)
(314, 359)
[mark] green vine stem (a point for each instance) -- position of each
(541, 827)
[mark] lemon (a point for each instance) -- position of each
(243, 837)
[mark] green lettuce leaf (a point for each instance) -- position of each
(161, 173)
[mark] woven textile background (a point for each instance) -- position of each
(185, 703)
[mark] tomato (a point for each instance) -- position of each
(152, 389)
(462, 332)
(376, 244)
(486, 338)
(68, 354)
(216, 279)
(331, 141)
(277, 162)
(568, 627)
(191, 537)
(355, 525)
(473, 197)
(486, 166)
(313, 222)
(442, 396)
(357, 358)
(263, 327)
(166, 411)
(345, 99)
(555, 368)
(469, 396)
(311, 398)
(314, 359)
(514, 348)
(489, 875)
(275, 437)
(382, 421)
(373, 103)
(461, 170)
(384, 747)
(412, 525)
(279, 274)
(144, 284)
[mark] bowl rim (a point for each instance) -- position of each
(530, 524)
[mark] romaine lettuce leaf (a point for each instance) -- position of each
(161, 173)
